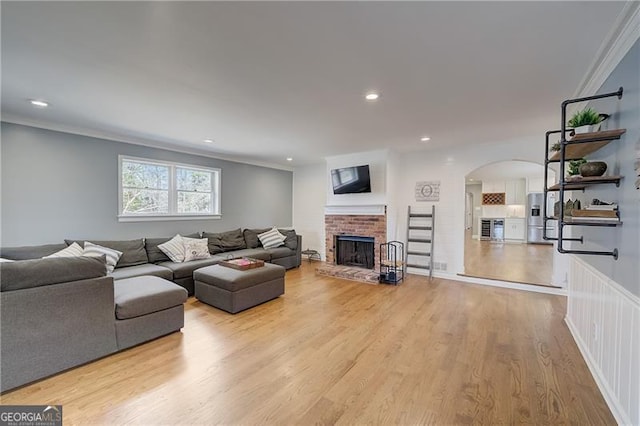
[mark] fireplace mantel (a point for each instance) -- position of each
(368, 209)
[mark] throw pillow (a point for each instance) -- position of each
(94, 250)
(174, 249)
(6, 260)
(195, 249)
(291, 240)
(271, 239)
(74, 250)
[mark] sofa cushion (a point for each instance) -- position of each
(139, 296)
(133, 252)
(156, 255)
(40, 272)
(74, 250)
(225, 241)
(251, 237)
(185, 269)
(271, 239)
(196, 249)
(174, 248)
(280, 252)
(30, 252)
(291, 240)
(140, 270)
(94, 250)
(257, 253)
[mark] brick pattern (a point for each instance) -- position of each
(361, 225)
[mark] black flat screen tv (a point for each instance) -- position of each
(351, 180)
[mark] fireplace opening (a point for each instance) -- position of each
(353, 250)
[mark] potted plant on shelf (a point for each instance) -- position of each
(586, 121)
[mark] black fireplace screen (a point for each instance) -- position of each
(355, 251)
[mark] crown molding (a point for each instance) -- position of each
(615, 46)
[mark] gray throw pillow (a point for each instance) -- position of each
(251, 237)
(225, 241)
(133, 252)
(292, 239)
(40, 272)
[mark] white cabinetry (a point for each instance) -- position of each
(515, 190)
(492, 186)
(514, 229)
(535, 185)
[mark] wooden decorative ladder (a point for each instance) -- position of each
(423, 226)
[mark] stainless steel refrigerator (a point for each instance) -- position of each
(535, 220)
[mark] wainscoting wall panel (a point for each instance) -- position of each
(604, 319)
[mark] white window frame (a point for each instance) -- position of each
(216, 177)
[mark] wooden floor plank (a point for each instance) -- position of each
(332, 351)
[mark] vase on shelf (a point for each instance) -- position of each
(593, 168)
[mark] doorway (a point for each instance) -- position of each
(468, 211)
(504, 253)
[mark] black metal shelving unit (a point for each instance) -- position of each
(572, 149)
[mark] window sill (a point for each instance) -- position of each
(167, 218)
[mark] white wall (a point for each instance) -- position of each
(450, 166)
(309, 196)
(377, 161)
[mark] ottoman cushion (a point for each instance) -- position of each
(233, 280)
(139, 296)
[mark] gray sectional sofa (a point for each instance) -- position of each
(58, 313)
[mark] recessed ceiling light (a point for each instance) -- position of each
(289, 159)
(209, 141)
(372, 96)
(39, 103)
(425, 139)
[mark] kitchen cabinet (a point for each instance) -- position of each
(493, 186)
(515, 190)
(514, 229)
(535, 185)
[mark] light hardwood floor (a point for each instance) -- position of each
(339, 352)
(523, 263)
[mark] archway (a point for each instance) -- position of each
(504, 241)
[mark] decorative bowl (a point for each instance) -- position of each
(593, 168)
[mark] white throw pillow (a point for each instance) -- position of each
(95, 250)
(74, 250)
(6, 260)
(196, 248)
(272, 239)
(174, 249)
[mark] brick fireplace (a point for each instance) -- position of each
(358, 225)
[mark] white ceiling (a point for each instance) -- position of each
(268, 80)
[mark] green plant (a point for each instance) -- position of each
(555, 147)
(587, 116)
(574, 166)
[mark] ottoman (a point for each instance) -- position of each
(233, 291)
(146, 308)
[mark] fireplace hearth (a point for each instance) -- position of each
(353, 250)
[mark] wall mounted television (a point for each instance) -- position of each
(351, 180)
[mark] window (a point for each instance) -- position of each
(157, 190)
